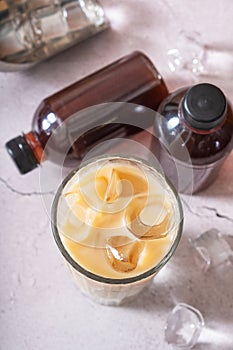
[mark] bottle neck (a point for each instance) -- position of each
(35, 146)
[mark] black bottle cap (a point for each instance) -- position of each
(204, 106)
(21, 153)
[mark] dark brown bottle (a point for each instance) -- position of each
(195, 130)
(132, 78)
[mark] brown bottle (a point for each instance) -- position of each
(132, 78)
(195, 130)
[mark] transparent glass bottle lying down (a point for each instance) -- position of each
(32, 31)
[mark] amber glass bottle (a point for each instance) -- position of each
(199, 120)
(132, 78)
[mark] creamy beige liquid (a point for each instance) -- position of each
(116, 218)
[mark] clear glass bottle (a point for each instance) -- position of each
(200, 120)
(132, 78)
(31, 31)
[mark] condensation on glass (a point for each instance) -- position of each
(31, 31)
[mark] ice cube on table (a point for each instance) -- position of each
(184, 326)
(188, 53)
(211, 249)
(192, 55)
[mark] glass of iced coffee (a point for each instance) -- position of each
(117, 221)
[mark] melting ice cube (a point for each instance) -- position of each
(123, 254)
(147, 220)
(189, 53)
(184, 326)
(112, 192)
(211, 249)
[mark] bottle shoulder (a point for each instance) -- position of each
(203, 147)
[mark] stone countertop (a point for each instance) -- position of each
(39, 305)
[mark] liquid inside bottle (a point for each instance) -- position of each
(199, 120)
(73, 129)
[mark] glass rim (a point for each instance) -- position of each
(103, 279)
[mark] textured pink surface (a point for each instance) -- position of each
(39, 305)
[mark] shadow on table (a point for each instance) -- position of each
(181, 280)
